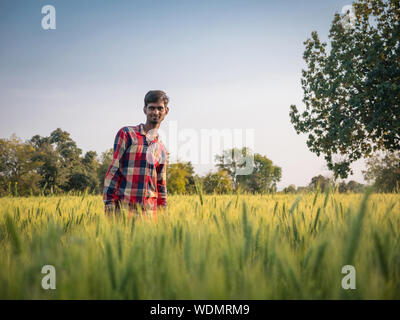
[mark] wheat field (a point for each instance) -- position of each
(207, 247)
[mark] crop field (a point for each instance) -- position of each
(207, 247)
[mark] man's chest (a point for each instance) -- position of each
(144, 152)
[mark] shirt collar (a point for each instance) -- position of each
(143, 133)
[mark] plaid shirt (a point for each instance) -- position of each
(138, 171)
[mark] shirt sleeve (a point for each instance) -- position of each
(111, 180)
(162, 182)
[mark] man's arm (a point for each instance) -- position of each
(162, 183)
(113, 173)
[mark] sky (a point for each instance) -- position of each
(226, 65)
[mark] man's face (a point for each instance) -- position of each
(156, 112)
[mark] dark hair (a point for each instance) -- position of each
(154, 96)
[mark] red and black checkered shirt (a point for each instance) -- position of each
(138, 171)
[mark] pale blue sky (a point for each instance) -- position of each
(224, 64)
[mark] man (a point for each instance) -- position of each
(136, 177)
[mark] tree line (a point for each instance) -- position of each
(49, 165)
(55, 165)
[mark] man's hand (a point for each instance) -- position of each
(109, 209)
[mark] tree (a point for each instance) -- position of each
(180, 177)
(63, 169)
(54, 175)
(320, 181)
(303, 189)
(234, 161)
(354, 186)
(384, 172)
(17, 169)
(219, 182)
(90, 161)
(66, 147)
(52, 164)
(105, 161)
(290, 189)
(190, 178)
(352, 93)
(90, 168)
(80, 181)
(251, 172)
(351, 186)
(264, 177)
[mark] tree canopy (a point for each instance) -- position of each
(352, 92)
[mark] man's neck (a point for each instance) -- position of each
(149, 126)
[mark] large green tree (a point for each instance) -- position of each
(54, 175)
(352, 92)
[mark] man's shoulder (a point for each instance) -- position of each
(128, 129)
(129, 134)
